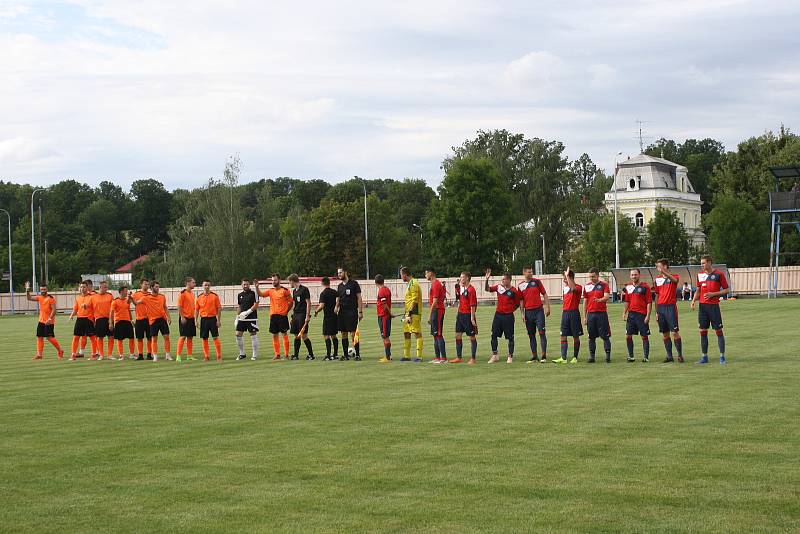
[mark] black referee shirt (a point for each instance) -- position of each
(328, 299)
(348, 295)
(300, 294)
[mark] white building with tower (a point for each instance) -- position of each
(645, 182)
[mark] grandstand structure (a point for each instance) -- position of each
(784, 208)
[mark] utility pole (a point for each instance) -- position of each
(33, 240)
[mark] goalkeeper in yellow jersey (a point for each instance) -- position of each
(411, 318)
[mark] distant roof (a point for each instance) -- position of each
(788, 172)
(644, 158)
(128, 267)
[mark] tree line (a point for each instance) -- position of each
(501, 194)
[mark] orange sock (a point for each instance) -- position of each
(53, 341)
(110, 345)
(166, 344)
(130, 346)
(140, 344)
(180, 346)
(99, 342)
(286, 344)
(189, 346)
(205, 349)
(276, 344)
(39, 346)
(119, 347)
(93, 341)
(218, 348)
(75, 342)
(154, 345)
(83, 343)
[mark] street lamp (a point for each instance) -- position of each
(33, 241)
(616, 224)
(544, 255)
(10, 265)
(366, 228)
(418, 227)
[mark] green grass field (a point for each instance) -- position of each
(347, 446)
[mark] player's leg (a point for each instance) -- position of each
(440, 330)
(630, 331)
(530, 328)
(704, 321)
(39, 348)
(254, 342)
(540, 325)
(717, 325)
(406, 343)
(497, 331)
(592, 330)
(240, 340)
(508, 333)
(384, 327)
(309, 346)
(51, 337)
(459, 343)
(418, 335)
(285, 334)
(434, 334)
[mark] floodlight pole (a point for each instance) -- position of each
(616, 223)
(33, 241)
(10, 264)
(544, 255)
(366, 227)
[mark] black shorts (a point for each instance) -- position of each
(123, 330)
(385, 326)
(348, 320)
(208, 325)
(188, 328)
(709, 315)
(83, 327)
(159, 326)
(571, 323)
(45, 330)
(101, 328)
(278, 324)
(330, 325)
(247, 326)
(142, 329)
(635, 325)
(297, 324)
(503, 325)
(534, 320)
(437, 322)
(667, 318)
(464, 324)
(597, 325)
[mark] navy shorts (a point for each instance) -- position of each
(464, 324)
(667, 318)
(385, 326)
(598, 326)
(503, 325)
(571, 323)
(187, 328)
(534, 320)
(83, 327)
(437, 322)
(159, 326)
(635, 325)
(709, 315)
(45, 330)
(278, 324)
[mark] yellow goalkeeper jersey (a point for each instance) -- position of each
(413, 297)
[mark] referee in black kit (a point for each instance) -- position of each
(350, 309)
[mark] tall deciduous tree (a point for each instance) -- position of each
(597, 247)
(738, 235)
(666, 237)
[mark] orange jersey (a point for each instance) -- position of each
(140, 309)
(186, 300)
(155, 307)
(46, 305)
(83, 307)
(122, 309)
(279, 300)
(102, 304)
(209, 305)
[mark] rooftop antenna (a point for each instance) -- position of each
(642, 137)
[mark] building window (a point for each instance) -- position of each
(632, 184)
(639, 220)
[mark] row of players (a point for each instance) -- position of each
(100, 315)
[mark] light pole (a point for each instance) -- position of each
(366, 227)
(616, 224)
(33, 240)
(544, 256)
(10, 265)
(418, 227)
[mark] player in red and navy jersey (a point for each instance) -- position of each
(466, 322)
(638, 305)
(666, 288)
(711, 285)
(570, 317)
(535, 307)
(595, 313)
(437, 297)
(383, 303)
(508, 299)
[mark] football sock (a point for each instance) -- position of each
(357, 346)
(328, 348)
(721, 342)
(576, 347)
(543, 340)
(39, 346)
(459, 348)
(276, 345)
(607, 347)
(75, 342)
(407, 347)
(180, 345)
(668, 346)
(679, 346)
(53, 341)
(240, 344)
(436, 347)
(119, 347)
(646, 346)
(592, 347)
(205, 349)
(419, 347)
(189, 346)
(83, 343)
(493, 344)
(442, 347)
(110, 345)
(534, 349)
(335, 346)
(474, 347)
(387, 348)
(286, 344)
(704, 342)
(217, 348)
(307, 343)
(297, 343)
(140, 344)
(511, 346)
(154, 345)
(94, 341)
(629, 343)
(345, 344)
(563, 349)
(254, 345)
(167, 345)
(99, 344)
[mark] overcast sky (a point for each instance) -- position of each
(120, 89)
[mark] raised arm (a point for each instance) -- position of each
(28, 293)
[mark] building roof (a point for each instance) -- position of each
(653, 173)
(128, 267)
(645, 159)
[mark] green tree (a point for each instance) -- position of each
(738, 235)
(597, 247)
(471, 226)
(666, 237)
(151, 215)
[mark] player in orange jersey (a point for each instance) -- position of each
(187, 327)
(47, 320)
(208, 310)
(120, 322)
(101, 302)
(159, 320)
(84, 324)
